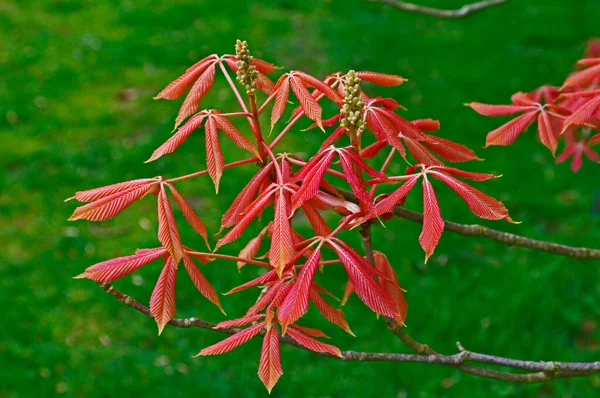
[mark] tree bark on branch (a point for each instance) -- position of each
(538, 371)
(436, 12)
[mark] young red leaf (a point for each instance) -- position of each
(319, 85)
(333, 315)
(233, 341)
(449, 150)
(309, 105)
(168, 234)
(176, 88)
(498, 110)
(199, 90)
(348, 290)
(109, 206)
(116, 268)
(388, 204)
(282, 243)
(509, 132)
(245, 197)
(281, 99)
(390, 285)
(162, 301)
(381, 79)
(312, 175)
(433, 223)
(316, 221)
(243, 321)
(215, 162)
(481, 204)
(268, 277)
(584, 114)
(92, 195)
(428, 125)
(234, 134)
(309, 331)
(584, 76)
(369, 291)
(179, 137)
(189, 214)
(201, 283)
(295, 303)
(251, 212)
(312, 344)
(464, 174)
(546, 132)
(251, 249)
(269, 370)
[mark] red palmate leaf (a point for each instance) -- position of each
(168, 234)
(369, 291)
(189, 214)
(251, 249)
(201, 283)
(282, 243)
(179, 137)
(107, 207)
(198, 90)
(464, 174)
(319, 85)
(116, 268)
(162, 301)
(269, 370)
(348, 290)
(312, 344)
(177, 87)
(433, 224)
(295, 303)
(233, 341)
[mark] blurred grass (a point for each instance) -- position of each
(76, 86)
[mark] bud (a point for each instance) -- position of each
(247, 73)
(353, 105)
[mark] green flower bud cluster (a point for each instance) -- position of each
(247, 73)
(353, 105)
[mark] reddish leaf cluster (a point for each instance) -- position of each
(570, 113)
(291, 189)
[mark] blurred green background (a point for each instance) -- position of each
(76, 112)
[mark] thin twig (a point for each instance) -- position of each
(545, 370)
(499, 236)
(541, 371)
(436, 12)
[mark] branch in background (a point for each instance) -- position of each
(499, 236)
(539, 371)
(545, 371)
(458, 13)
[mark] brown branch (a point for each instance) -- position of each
(458, 13)
(545, 370)
(499, 236)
